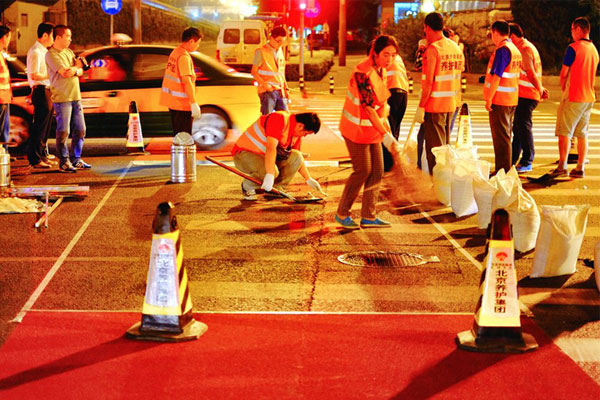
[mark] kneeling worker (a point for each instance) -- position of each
(269, 150)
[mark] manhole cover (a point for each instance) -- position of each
(385, 259)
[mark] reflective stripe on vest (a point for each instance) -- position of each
(507, 93)
(526, 88)
(173, 93)
(271, 71)
(583, 72)
(354, 123)
(254, 139)
(445, 89)
(396, 75)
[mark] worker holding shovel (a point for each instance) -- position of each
(269, 151)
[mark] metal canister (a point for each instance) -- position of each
(4, 169)
(183, 163)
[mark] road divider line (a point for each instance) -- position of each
(61, 259)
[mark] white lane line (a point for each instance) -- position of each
(580, 349)
(61, 259)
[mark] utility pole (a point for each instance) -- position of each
(137, 21)
(342, 34)
(301, 67)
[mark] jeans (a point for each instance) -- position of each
(4, 124)
(522, 132)
(501, 126)
(69, 119)
(272, 101)
(437, 133)
(254, 165)
(397, 102)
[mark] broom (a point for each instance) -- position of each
(409, 185)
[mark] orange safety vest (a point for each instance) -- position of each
(5, 90)
(173, 93)
(355, 124)
(583, 72)
(272, 70)
(507, 93)
(526, 88)
(449, 63)
(396, 75)
(254, 139)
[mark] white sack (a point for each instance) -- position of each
(508, 186)
(442, 173)
(525, 220)
(484, 191)
(559, 240)
(462, 196)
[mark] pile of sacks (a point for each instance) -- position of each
(462, 182)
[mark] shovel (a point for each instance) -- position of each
(301, 200)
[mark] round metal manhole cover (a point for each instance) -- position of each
(386, 259)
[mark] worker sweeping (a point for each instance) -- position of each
(269, 150)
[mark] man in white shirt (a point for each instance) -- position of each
(37, 75)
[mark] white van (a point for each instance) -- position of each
(238, 40)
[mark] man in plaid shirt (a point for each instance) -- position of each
(5, 91)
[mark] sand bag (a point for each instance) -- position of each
(462, 195)
(508, 186)
(525, 220)
(559, 240)
(442, 173)
(484, 191)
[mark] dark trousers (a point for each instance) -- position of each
(437, 133)
(4, 124)
(181, 121)
(397, 103)
(501, 125)
(522, 131)
(42, 123)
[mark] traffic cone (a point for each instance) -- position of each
(464, 137)
(135, 140)
(167, 312)
(497, 325)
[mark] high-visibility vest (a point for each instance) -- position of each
(272, 70)
(173, 93)
(507, 93)
(5, 90)
(254, 139)
(526, 88)
(445, 91)
(355, 124)
(396, 75)
(583, 72)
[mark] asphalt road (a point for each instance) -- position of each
(276, 256)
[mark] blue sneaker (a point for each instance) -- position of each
(524, 168)
(82, 165)
(347, 223)
(374, 223)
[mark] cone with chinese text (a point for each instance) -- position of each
(464, 138)
(135, 139)
(167, 312)
(497, 325)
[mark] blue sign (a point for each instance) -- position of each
(111, 7)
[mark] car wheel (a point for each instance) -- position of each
(20, 128)
(210, 130)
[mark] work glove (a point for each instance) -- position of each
(267, 184)
(196, 113)
(315, 185)
(391, 143)
(420, 115)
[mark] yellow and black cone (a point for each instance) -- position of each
(497, 324)
(135, 139)
(167, 312)
(464, 137)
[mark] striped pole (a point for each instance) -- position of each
(331, 84)
(463, 84)
(410, 84)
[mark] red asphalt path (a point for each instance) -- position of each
(84, 355)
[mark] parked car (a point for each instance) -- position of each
(238, 40)
(121, 74)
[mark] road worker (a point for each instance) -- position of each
(397, 83)
(269, 150)
(501, 93)
(443, 63)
